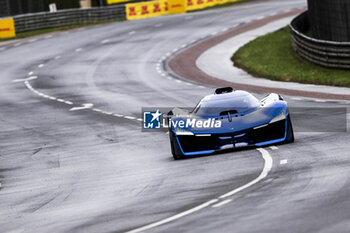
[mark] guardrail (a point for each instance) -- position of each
(324, 53)
(44, 20)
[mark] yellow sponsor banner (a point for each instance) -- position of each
(7, 28)
(146, 9)
(217, 2)
(210, 3)
(176, 6)
(195, 4)
(143, 10)
(200, 4)
(224, 1)
(116, 1)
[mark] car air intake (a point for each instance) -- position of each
(223, 90)
(231, 112)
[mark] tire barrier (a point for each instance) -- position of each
(328, 54)
(329, 19)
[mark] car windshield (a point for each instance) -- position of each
(241, 104)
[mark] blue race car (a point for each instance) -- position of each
(227, 120)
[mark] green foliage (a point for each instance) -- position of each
(98, 2)
(68, 4)
(272, 56)
(62, 4)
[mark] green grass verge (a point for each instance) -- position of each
(43, 31)
(272, 56)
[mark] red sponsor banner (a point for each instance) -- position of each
(156, 8)
(144, 10)
(132, 11)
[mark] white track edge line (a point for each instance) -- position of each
(267, 168)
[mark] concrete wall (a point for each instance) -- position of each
(329, 19)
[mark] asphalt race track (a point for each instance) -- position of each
(73, 157)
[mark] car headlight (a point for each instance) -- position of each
(181, 132)
(280, 117)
